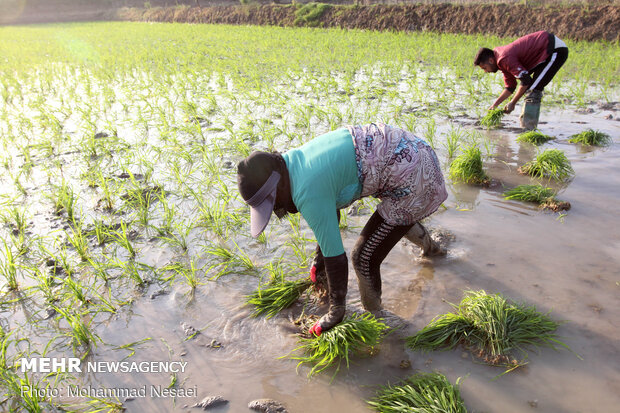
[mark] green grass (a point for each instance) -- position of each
(534, 137)
(490, 326)
(467, 167)
(271, 300)
(493, 118)
(591, 137)
(551, 163)
(355, 334)
(423, 393)
(538, 194)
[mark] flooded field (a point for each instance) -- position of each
(124, 237)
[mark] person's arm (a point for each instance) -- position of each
(502, 97)
(510, 106)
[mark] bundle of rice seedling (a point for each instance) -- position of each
(543, 196)
(591, 137)
(273, 299)
(355, 334)
(534, 137)
(493, 118)
(551, 163)
(423, 392)
(490, 327)
(467, 167)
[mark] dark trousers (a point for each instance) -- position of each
(544, 72)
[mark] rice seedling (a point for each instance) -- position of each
(543, 196)
(452, 140)
(77, 238)
(80, 332)
(275, 297)
(467, 167)
(551, 163)
(534, 137)
(422, 392)
(8, 267)
(64, 200)
(490, 326)
(493, 118)
(122, 237)
(356, 334)
(591, 137)
(188, 272)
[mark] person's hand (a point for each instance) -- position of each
(510, 106)
(493, 106)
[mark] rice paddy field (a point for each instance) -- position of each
(124, 238)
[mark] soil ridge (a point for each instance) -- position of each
(574, 22)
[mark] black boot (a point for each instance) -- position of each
(337, 270)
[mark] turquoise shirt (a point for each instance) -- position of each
(323, 175)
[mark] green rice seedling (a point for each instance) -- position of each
(229, 260)
(493, 118)
(452, 140)
(538, 194)
(8, 267)
(551, 163)
(467, 167)
(275, 297)
(80, 332)
(76, 289)
(422, 392)
(102, 232)
(123, 239)
(490, 326)
(534, 137)
(64, 200)
(355, 334)
(77, 238)
(591, 137)
(430, 132)
(32, 401)
(189, 273)
(16, 218)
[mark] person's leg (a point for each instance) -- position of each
(544, 72)
(420, 237)
(375, 242)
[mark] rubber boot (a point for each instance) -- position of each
(531, 110)
(337, 280)
(420, 237)
(368, 280)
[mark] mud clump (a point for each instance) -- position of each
(267, 406)
(210, 402)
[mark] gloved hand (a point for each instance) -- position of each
(337, 271)
(317, 271)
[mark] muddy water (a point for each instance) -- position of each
(568, 264)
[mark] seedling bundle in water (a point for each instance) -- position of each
(493, 118)
(423, 392)
(543, 196)
(534, 137)
(591, 137)
(551, 163)
(490, 327)
(467, 167)
(272, 300)
(355, 334)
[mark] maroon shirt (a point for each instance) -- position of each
(521, 56)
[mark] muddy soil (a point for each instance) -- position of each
(576, 22)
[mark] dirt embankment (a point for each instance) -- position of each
(570, 22)
(576, 22)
